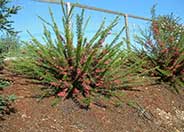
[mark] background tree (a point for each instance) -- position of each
(6, 12)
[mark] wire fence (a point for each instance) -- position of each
(127, 20)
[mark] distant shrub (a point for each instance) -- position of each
(8, 44)
(164, 48)
(83, 70)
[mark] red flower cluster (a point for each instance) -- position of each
(155, 27)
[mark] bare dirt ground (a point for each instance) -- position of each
(157, 110)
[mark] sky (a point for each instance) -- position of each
(27, 18)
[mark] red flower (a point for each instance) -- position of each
(104, 51)
(117, 81)
(149, 42)
(63, 73)
(99, 83)
(161, 43)
(66, 84)
(54, 84)
(75, 91)
(62, 94)
(71, 67)
(59, 67)
(86, 87)
(176, 53)
(177, 66)
(155, 28)
(182, 72)
(78, 71)
(97, 70)
(176, 49)
(164, 50)
(106, 62)
(87, 82)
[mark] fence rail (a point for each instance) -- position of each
(125, 15)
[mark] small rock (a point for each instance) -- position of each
(23, 116)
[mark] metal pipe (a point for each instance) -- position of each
(96, 9)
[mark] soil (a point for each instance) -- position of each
(145, 109)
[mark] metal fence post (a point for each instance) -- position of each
(68, 8)
(127, 31)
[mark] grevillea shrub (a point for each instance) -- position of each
(79, 69)
(164, 48)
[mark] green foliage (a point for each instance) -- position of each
(4, 84)
(8, 45)
(5, 104)
(5, 13)
(164, 48)
(82, 70)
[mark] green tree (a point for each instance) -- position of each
(6, 12)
